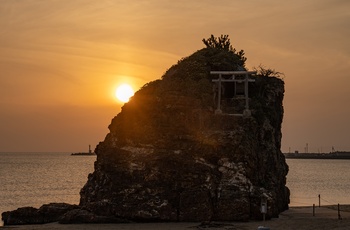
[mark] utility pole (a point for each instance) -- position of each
(319, 200)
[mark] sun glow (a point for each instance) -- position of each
(124, 92)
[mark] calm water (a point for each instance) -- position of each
(33, 179)
(307, 178)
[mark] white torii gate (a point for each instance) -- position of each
(233, 74)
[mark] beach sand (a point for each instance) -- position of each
(295, 218)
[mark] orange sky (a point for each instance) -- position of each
(61, 60)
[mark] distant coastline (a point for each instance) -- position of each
(89, 153)
(333, 155)
(83, 154)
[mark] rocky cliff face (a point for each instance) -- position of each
(169, 157)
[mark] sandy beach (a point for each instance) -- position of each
(295, 218)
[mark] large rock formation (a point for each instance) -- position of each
(169, 157)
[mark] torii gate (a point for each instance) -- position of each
(233, 74)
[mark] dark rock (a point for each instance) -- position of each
(45, 214)
(54, 211)
(169, 157)
(25, 215)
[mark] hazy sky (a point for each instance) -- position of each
(61, 60)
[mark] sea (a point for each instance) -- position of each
(33, 179)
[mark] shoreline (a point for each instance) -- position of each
(325, 156)
(326, 217)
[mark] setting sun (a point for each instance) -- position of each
(124, 92)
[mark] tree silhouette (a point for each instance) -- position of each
(223, 43)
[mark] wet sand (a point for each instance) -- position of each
(295, 218)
